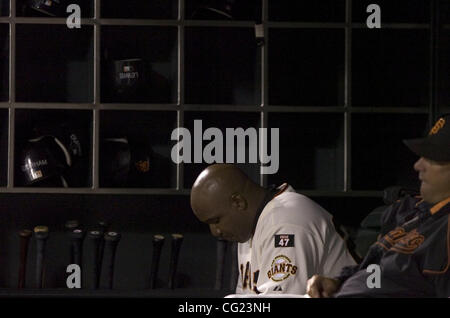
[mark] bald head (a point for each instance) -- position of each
(215, 186)
(225, 198)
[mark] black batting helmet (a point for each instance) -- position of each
(44, 158)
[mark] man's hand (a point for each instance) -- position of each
(322, 287)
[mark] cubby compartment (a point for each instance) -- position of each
(54, 8)
(307, 11)
(399, 11)
(4, 62)
(53, 148)
(444, 12)
(3, 147)
(135, 149)
(216, 72)
(139, 64)
(138, 9)
(443, 84)
(216, 136)
(4, 8)
(390, 67)
(302, 70)
(379, 157)
(311, 156)
(248, 10)
(349, 211)
(57, 69)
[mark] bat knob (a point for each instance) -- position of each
(94, 234)
(112, 236)
(103, 225)
(72, 224)
(177, 239)
(77, 234)
(177, 236)
(158, 238)
(41, 232)
(25, 233)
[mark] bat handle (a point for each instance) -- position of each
(111, 241)
(158, 242)
(71, 225)
(24, 242)
(102, 228)
(77, 252)
(41, 235)
(77, 240)
(221, 252)
(177, 239)
(94, 237)
(40, 251)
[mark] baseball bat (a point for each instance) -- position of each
(220, 266)
(24, 241)
(158, 242)
(102, 228)
(76, 237)
(234, 273)
(177, 239)
(41, 235)
(111, 241)
(94, 237)
(71, 225)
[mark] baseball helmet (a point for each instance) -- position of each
(115, 158)
(67, 132)
(42, 159)
(126, 162)
(74, 137)
(141, 165)
(214, 10)
(48, 7)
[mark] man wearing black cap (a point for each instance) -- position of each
(413, 249)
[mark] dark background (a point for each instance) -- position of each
(335, 100)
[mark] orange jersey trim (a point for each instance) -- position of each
(439, 206)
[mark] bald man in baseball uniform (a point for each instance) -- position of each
(284, 237)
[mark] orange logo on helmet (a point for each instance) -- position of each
(438, 126)
(142, 166)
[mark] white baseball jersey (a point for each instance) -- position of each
(294, 239)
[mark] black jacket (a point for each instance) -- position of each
(413, 254)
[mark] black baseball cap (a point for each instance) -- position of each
(435, 146)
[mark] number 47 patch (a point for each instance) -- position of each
(284, 240)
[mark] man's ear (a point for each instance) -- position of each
(238, 202)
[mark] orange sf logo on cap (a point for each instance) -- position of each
(438, 126)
